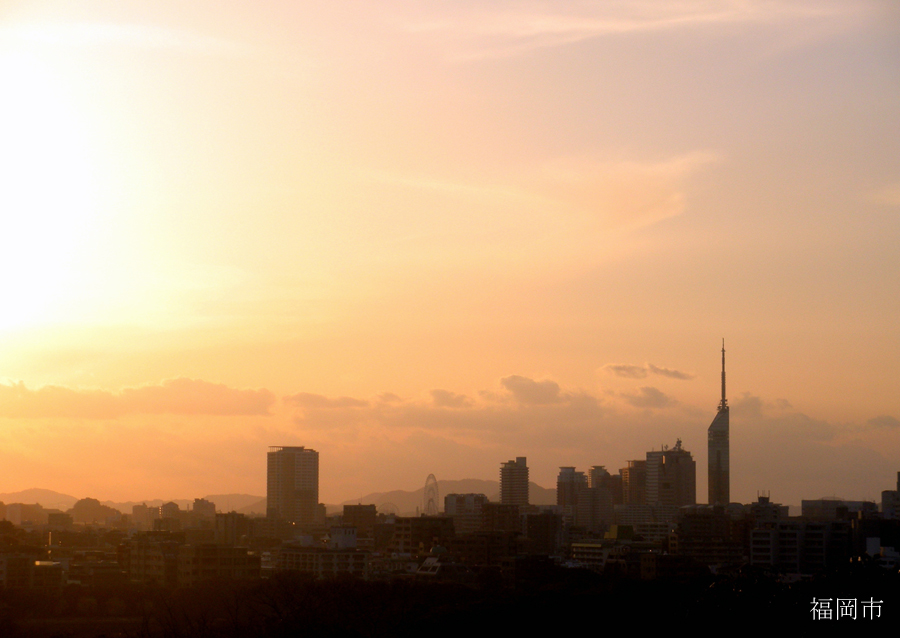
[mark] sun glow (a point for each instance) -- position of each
(47, 191)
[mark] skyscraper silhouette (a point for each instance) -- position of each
(514, 482)
(293, 484)
(671, 478)
(719, 489)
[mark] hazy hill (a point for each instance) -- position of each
(235, 502)
(407, 502)
(257, 508)
(46, 498)
(224, 502)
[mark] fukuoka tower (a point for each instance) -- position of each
(719, 491)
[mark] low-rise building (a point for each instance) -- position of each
(322, 562)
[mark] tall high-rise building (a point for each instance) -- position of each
(634, 482)
(890, 501)
(718, 461)
(569, 485)
(671, 477)
(514, 482)
(293, 484)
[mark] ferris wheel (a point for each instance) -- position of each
(432, 498)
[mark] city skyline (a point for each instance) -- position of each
(423, 239)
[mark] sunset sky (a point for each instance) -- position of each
(428, 237)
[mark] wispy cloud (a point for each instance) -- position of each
(92, 34)
(623, 193)
(539, 411)
(672, 374)
(606, 192)
(627, 371)
(529, 391)
(447, 399)
(175, 396)
(649, 397)
(506, 28)
(748, 405)
(640, 372)
(319, 401)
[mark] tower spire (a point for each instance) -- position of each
(719, 464)
(724, 403)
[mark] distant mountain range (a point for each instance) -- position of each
(48, 499)
(405, 502)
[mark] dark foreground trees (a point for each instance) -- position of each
(291, 605)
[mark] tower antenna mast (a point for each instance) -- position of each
(724, 403)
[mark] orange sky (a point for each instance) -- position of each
(427, 238)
